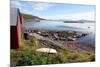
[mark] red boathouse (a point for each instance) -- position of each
(15, 28)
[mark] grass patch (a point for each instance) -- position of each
(27, 55)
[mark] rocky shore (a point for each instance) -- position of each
(63, 39)
(58, 35)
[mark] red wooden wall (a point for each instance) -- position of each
(14, 37)
(19, 29)
(15, 34)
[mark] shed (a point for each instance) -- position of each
(15, 28)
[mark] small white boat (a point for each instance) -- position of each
(46, 50)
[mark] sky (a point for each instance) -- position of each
(56, 10)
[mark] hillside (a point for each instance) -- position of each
(29, 18)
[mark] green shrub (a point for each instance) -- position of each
(83, 58)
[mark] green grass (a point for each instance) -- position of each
(27, 55)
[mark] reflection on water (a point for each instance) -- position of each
(89, 39)
(58, 25)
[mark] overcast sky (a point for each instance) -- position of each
(56, 11)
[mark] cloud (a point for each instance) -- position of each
(38, 7)
(35, 6)
(15, 4)
(89, 2)
(21, 6)
(84, 15)
(41, 6)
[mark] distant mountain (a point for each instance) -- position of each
(87, 21)
(79, 21)
(71, 21)
(29, 18)
(63, 20)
